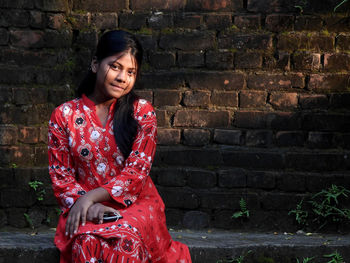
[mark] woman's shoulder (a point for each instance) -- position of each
(142, 107)
(65, 109)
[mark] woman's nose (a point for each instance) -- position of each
(121, 77)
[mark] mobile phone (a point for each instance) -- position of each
(111, 217)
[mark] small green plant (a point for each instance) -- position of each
(306, 260)
(339, 5)
(335, 257)
(13, 165)
(300, 214)
(29, 220)
(38, 188)
(239, 259)
(244, 212)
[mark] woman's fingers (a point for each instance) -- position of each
(100, 216)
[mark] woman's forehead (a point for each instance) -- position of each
(125, 58)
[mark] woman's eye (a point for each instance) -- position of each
(114, 66)
(131, 73)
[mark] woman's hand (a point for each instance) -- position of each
(78, 212)
(96, 211)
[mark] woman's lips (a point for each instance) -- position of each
(118, 87)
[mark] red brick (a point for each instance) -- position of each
(202, 118)
(343, 42)
(79, 20)
(162, 118)
(184, 20)
(232, 40)
(284, 100)
(219, 59)
(279, 22)
(171, 5)
(40, 156)
(252, 99)
(250, 119)
(105, 20)
(313, 101)
(284, 120)
(248, 22)
(145, 94)
(8, 135)
(196, 137)
(256, 138)
(218, 21)
(214, 5)
(167, 98)
(230, 137)
(55, 21)
(43, 134)
(250, 60)
(4, 36)
(337, 62)
(280, 61)
(305, 60)
(162, 60)
(215, 80)
(19, 155)
(196, 98)
(190, 59)
(224, 98)
(275, 81)
(306, 22)
(100, 6)
(28, 134)
(53, 5)
(168, 136)
(290, 138)
(195, 40)
(310, 41)
(329, 82)
(27, 38)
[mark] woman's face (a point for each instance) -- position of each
(115, 75)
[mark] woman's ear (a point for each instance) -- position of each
(94, 65)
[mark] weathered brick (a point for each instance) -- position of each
(55, 21)
(275, 81)
(320, 140)
(250, 119)
(280, 201)
(14, 18)
(98, 6)
(159, 20)
(253, 159)
(195, 40)
(337, 62)
(284, 120)
(168, 136)
(55, 39)
(231, 40)
(215, 80)
(22, 96)
(8, 135)
(248, 22)
(305, 60)
(167, 80)
(171, 176)
(185, 20)
(225, 98)
(148, 42)
(6, 95)
(171, 5)
(279, 22)
(3, 218)
(27, 4)
(231, 137)
(131, 21)
(53, 5)
(196, 137)
(336, 23)
(202, 118)
(290, 138)
(190, 59)
(145, 94)
(226, 199)
(43, 133)
(317, 182)
(196, 98)
(28, 134)
(4, 36)
(232, 178)
(313, 101)
(218, 21)
(261, 179)
(284, 100)
(40, 156)
(249, 60)
(291, 182)
(308, 22)
(343, 42)
(219, 59)
(37, 19)
(167, 97)
(196, 220)
(315, 161)
(27, 38)
(281, 60)
(340, 101)
(252, 99)
(310, 41)
(15, 217)
(198, 178)
(174, 217)
(105, 20)
(329, 82)
(162, 118)
(16, 198)
(214, 5)
(162, 60)
(278, 6)
(179, 197)
(258, 138)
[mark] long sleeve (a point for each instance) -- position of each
(61, 166)
(126, 187)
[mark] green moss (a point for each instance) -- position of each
(166, 31)
(325, 32)
(67, 66)
(80, 11)
(146, 67)
(144, 31)
(263, 259)
(233, 50)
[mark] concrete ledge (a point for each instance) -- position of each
(205, 246)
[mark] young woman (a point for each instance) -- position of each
(101, 148)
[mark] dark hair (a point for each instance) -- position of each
(124, 125)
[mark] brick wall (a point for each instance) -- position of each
(252, 101)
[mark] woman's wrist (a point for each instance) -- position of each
(98, 195)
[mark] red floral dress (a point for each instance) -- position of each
(83, 155)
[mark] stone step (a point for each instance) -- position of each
(209, 246)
